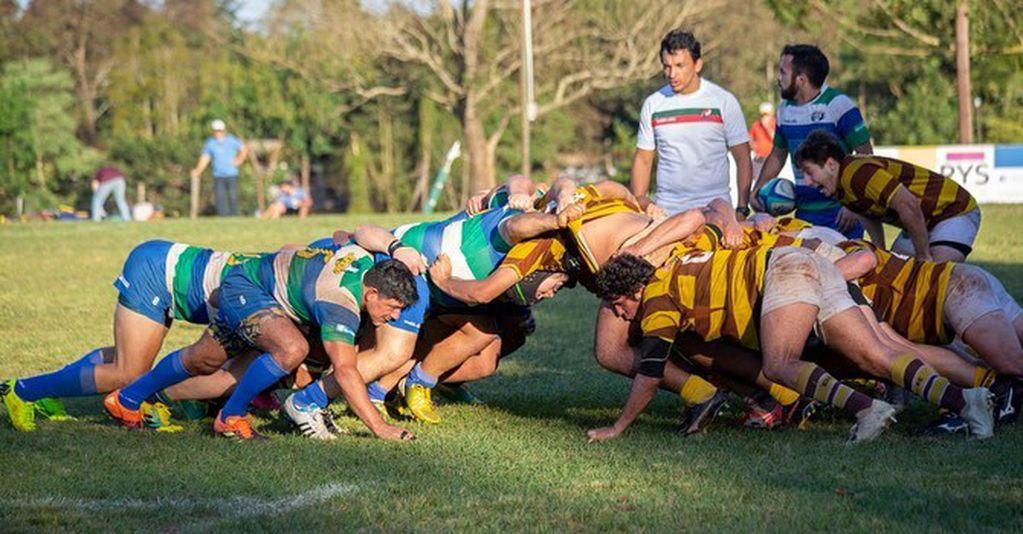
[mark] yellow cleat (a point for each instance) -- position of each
(417, 398)
(21, 412)
(157, 415)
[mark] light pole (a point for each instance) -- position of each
(528, 103)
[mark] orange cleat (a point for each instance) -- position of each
(131, 419)
(237, 428)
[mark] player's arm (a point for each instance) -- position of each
(529, 225)
(674, 229)
(772, 167)
(376, 239)
(874, 229)
(865, 149)
(720, 214)
(471, 292)
(642, 166)
(911, 216)
(353, 387)
(644, 387)
(855, 264)
(743, 172)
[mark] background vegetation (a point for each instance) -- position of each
(366, 97)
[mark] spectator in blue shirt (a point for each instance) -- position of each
(227, 153)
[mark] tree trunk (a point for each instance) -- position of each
(480, 176)
(963, 74)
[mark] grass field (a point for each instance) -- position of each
(520, 463)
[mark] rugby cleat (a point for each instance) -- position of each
(236, 427)
(458, 393)
(757, 417)
(309, 420)
(157, 416)
(800, 413)
(131, 419)
(698, 416)
(266, 401)
(946, 424)
(979, 412)
(871, 421)
(21, 412)
(417, 398)
(1008, 399)
(189, 410)
(52, 409)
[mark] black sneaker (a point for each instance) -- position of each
(947, 423)
(1008, 399)
(698, 416)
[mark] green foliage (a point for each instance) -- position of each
(40, 152)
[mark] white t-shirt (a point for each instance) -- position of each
(692, 134)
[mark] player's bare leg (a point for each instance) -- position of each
(137, 340)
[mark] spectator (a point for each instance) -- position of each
(290, 198)
(761, 136)
(809, 104)
(691, 124)
(109, 180)
(227, 153)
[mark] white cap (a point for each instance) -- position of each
(766, 108)
(218, 125)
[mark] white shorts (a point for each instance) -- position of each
(973, 293)
(796, 275)
(822, 233)
(958, 232)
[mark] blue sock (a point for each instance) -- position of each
(75, 379)
(377, 393)
(312, 395)
(168, 372)
(420, 377)
(263, 373)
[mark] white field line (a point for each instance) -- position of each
(238, 506)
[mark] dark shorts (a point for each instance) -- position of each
(142, 284)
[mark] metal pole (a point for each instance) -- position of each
(528, 104)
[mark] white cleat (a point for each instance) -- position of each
(309, 420)
(979, 412)
(870, 422)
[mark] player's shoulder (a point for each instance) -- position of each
(712, 89)
(659, 96)
(836, 99)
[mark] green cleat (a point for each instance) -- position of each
(189, 410)
(21, 412)
(157, 416)
(52, 409)
(458, 393)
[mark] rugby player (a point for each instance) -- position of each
(939, 218)
(717, 294)
(263, 306)
(479, 243)
(160, 282)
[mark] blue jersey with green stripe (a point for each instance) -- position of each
(319, 287)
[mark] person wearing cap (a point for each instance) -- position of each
(761, 136)
(226, 153)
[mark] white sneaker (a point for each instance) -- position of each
(979, 412)
(309, 420)
(870, 422)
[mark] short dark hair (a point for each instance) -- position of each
(807, 59)
(393, 280)
(623, 275)
(679, 39)
(818, 147)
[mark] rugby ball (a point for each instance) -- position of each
(778, 196)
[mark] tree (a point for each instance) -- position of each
(471, 53)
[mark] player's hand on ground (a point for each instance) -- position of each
(441, 268)
(520, 201)
(475, 203)
(845, 220)
(395, 433)
(602, 434)
(732, 236)
(655, 212)
(569, 214)
(412, 259)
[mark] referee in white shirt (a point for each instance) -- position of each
(691, 124)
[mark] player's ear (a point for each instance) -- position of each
(698, 65)
(370, 293)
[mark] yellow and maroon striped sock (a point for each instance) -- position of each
(913, 374)
(816, 383)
